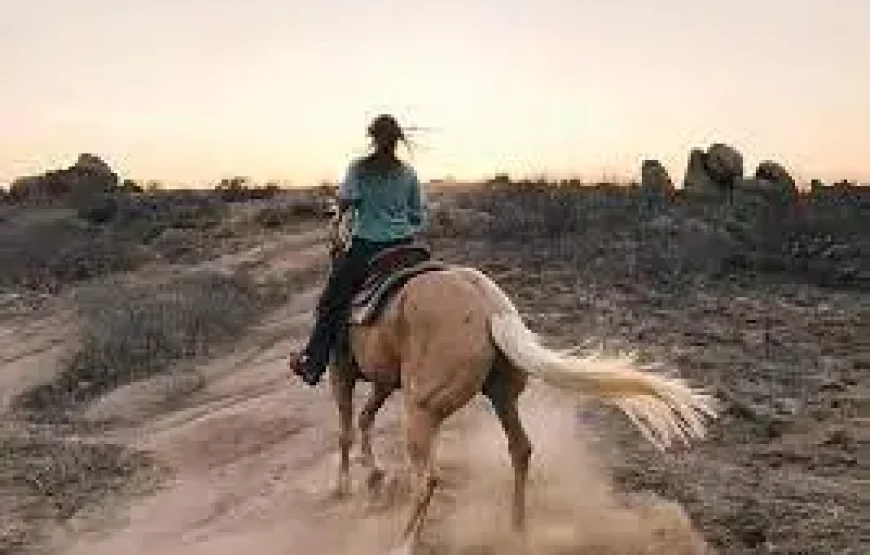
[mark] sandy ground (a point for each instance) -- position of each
(253, 454)
(253, 459)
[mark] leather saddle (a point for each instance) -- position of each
(386, 273)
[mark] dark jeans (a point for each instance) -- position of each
(347, 275)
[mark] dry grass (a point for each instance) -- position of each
(603, 262)
(131, 332)
(822, 238)
(43, 255)
(45, 479)
(47, 248)
(52, 464)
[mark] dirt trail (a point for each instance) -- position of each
(254, 457)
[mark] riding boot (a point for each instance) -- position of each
(347, 275)
(311, 364)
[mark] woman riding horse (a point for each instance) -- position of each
(388, 204)
(447, 336)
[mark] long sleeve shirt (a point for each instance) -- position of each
(386, 207)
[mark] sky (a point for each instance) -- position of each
(189, 91)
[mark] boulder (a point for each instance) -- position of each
(775, 173)
(724, 164)
(93, 164)
(89, 175)
(654, 178)
(696, 179)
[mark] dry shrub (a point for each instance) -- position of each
(44, 255)
(823, 239)
(45, 249)
(134, 332)
(50, 479)
(282, 216)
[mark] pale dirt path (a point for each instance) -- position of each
(254, 455)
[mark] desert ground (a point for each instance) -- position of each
(147, 406)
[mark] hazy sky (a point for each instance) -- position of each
(199, 89)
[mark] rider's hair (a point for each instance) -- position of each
(384, 128)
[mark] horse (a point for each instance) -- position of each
(444, 336)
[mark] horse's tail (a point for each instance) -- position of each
(663, 408)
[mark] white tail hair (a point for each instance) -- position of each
(663, 408)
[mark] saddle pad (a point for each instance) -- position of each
(368, 304)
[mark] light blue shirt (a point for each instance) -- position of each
(386, 207)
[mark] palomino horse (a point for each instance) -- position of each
(449, 334)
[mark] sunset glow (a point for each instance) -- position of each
(194, 90)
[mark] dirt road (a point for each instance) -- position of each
(253, 456)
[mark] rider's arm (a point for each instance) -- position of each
(348, 192)
(417, 204)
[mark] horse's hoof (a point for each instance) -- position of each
(341, 491)
(339, 495)
(375, 481)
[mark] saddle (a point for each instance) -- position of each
(385, 274)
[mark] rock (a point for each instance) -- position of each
(89, 175)
(654, 178)
(724, 164)
(90, 163)
(696, 179)
(775, 173)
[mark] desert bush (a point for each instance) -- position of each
(819, 238)
(134, 331)
(44, 255)
(176, 245)
(97, 208)
(160, 210)
(57, 478)
(178, 209)
(281, 216)
(130, 332)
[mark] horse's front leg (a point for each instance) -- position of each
(343, 384)
(380, 393)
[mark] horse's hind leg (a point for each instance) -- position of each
(503, 388)
(342, 388)
(380, 393)
(422, 426)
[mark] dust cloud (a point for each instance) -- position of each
(255, 476)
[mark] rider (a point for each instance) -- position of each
(388, 205)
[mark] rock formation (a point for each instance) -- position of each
(776, 174)
(715, 171)
(88, 175)
(697, 180)
(724, 164)
(654, 178)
